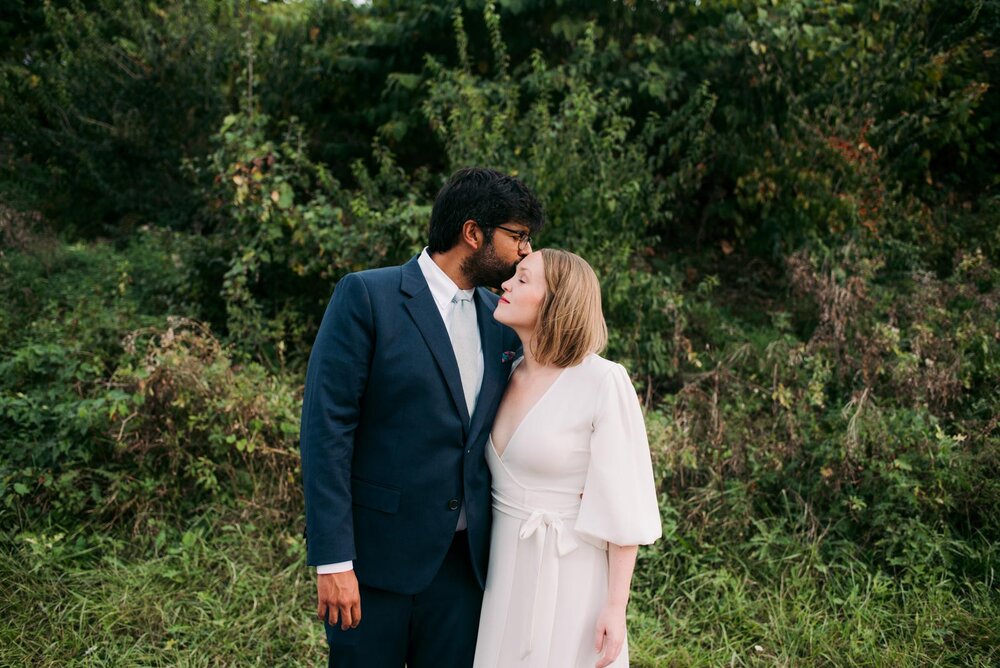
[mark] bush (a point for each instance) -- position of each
(287, 231)
(100, 102)
(869, 419)
(193, 428)
(569, 139)
(74, 437)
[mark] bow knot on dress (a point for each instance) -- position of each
(540, 521)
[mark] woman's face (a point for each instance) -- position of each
(523, 294)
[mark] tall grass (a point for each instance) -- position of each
(232, 588)
(721, 605)
(224, 592)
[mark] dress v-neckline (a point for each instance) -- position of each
(524, 418)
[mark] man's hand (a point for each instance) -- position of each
(339, 596)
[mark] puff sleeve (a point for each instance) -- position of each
(619, 502)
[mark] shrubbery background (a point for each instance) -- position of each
(793, 207)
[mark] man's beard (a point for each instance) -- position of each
(484, 267)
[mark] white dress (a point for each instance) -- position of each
(575, 475)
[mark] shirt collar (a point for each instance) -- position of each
(443, 289)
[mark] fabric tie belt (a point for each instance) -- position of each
(538, 525)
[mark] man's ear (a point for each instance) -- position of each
(471, 234)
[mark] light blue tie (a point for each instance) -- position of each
(464, 334)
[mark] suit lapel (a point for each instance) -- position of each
(493, 367)
(426, 316)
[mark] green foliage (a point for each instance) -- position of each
(58, 345)
(792, 208)
(193, 427)
(105, 411)
(101, 103)
(288, 231)
(828, 118)
(863, 418)
(573, 145)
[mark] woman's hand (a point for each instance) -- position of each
(609, 636)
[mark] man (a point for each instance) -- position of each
(403, 383)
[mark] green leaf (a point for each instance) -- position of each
(403, 80)
(286, 196)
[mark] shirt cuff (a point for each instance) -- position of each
(339, 567)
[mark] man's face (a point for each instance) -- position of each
(496, 260)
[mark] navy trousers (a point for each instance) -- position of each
(435, 628)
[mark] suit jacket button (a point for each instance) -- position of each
(453, 504)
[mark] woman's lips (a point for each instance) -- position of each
(504, 300)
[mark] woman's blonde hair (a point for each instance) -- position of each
(570, 322)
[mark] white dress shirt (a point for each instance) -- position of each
(443, 290)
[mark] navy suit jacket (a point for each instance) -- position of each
(389, 451)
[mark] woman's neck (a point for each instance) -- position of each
(531, 363)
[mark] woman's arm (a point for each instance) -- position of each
(609, 636)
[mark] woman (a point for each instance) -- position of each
(573, 491)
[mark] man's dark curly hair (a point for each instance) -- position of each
(485, 196)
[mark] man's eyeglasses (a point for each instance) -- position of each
(523, 238)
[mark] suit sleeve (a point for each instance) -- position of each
(335, 383)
